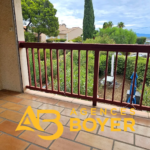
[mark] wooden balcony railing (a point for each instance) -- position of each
(97, 48)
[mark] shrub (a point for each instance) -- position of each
(78, 39)
(146, 95)
(140, 69)
(119, 35)
(29, 37)
(100, 40)
(141, 40)
(55, 40)
(49, 40)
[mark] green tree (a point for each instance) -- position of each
(121, 25)
(41, 17)
(110, 24)
(88, 20)
(100, 40)
(28, 12)
(105, 25)
(119, 35)
(141, 40)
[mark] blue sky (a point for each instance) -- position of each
(134, 13)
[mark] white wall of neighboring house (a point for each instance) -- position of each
(75, 33)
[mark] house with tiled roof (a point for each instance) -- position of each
(69, 33)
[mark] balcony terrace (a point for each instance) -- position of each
(13, 105)
(19, 89)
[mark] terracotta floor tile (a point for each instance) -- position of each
(122, 126)
(34, 138)
(63, 144)
(28, 96)
(42, 94)
(42, 124)
(1, 119)
(10, 143)
(52, 107)
(2, 109)
(13, 99)
(2, 96)
(63, 119)
(142, 130)
(142, 141)
(67, 112)
(88, 109)
(120, 136)
(7, 92)
(68, 105)
(108, 123)
(142, 121)
(2, 102)
(66, 133)
(82, 102)
(94, 140)
(33, 147)
(9, 127)
(12, 106)
(123, 146)
(138, 129)
(34, 110)
(63, 98)
(143, 114)
(11, 115)
(31, 103)
(47, 100)
(107, 106)
(88, 125)
(118, 115)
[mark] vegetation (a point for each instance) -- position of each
(78, 39)
(88, 21)
(141, 40)
(29, 37)
(121, 25)
(119, 35)
(146, 95)
(55, 40)
(103, 40)
(107, 25)
(40, 15)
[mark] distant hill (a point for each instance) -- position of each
(141, 35)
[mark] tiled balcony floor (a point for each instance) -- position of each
(13, 105)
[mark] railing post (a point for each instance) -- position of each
(96, 77)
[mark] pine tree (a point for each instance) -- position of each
(88, 21)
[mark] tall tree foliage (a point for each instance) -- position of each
(119, 35)
(40, 15)
(88, 20)
(121, 25)
(107, 24)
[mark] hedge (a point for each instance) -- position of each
(55, 40)
(102, 66)
(141, 40)
(130, 67)
(78, 39)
